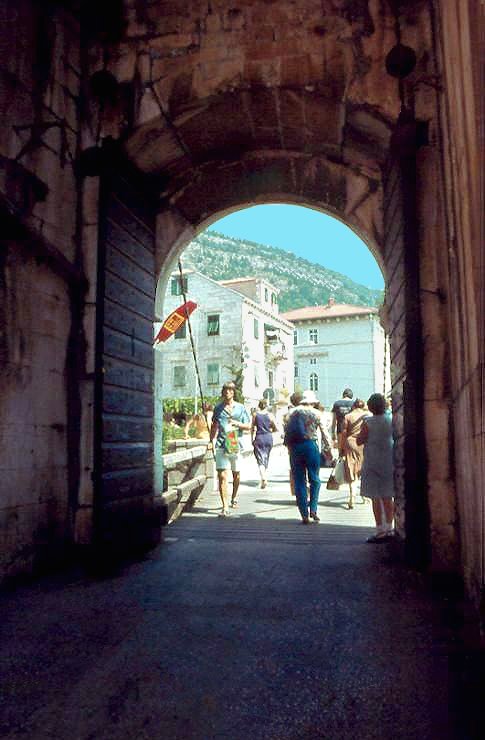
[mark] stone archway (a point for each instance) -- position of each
(350, 196)
(225, 104)
(174, 234)
(306, 121)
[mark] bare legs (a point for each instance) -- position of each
(383, 509)
(388, 506)
(235, 487)
(351, 496)
(378, 511)
(222, 480)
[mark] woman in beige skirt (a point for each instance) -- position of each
(351, 451)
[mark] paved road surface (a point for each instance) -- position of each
(247, 627)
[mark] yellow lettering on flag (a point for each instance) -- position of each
(174, 322)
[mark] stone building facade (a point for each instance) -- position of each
(128, 127)
(236, 323)
(339, 346)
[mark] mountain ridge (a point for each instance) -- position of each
(299, 281)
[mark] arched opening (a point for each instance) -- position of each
(299, 123)
(243, 106)
(174, 372)
(381, 210)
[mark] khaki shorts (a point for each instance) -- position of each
(228, 462)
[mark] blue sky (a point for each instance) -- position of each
(309, 234)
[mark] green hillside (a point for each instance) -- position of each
(301, 283)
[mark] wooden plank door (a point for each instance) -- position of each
(124, 498)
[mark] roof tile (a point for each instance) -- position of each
(336, 310)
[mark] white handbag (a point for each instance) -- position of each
(339, 471)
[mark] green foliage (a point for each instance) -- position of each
(174, 407)
(186, 405)
(170, 431)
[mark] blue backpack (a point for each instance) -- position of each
(295, 429)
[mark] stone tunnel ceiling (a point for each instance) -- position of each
(269, 97)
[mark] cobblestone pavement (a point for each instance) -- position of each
(247, 627)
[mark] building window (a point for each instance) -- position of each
(256, 379)
(179, 286)
(266, 295)
(213, 325)
(270, 378)
(313, 336)
(313, 360)
(181, 333)
(295, 337)
(296, 370)
(256, 329)
(179, 376)
(212, 373)
(313, 382)
(273, 299)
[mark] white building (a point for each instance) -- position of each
(235, 321)
(338, 346)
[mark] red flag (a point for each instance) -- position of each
(174, 321)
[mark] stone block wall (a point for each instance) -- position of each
(39, 84)
(458, 27)
(234, 105)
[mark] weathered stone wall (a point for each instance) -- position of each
(252, 103)
(39, 79)
(229, 105)
(457, 27)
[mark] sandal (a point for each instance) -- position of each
(377, 538)
(234, 503)
(315, 517)
(224, 512)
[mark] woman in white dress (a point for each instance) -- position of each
(377, 478)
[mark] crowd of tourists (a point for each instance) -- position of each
(358, 442)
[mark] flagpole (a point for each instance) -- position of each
(193, 347)
(195, 391)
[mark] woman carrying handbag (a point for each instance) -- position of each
(352, 452)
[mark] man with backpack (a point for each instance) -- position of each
(301, 434)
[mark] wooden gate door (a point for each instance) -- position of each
(405, 336)
(125, 512)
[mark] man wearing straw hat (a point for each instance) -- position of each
(301, 436)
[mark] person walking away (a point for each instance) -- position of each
(229, 420)
(340, 409)
(377, 481)
(201, 423)
(295, 400)
(352, 451)
(262, 425)
(326, 458)
(301, 440)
